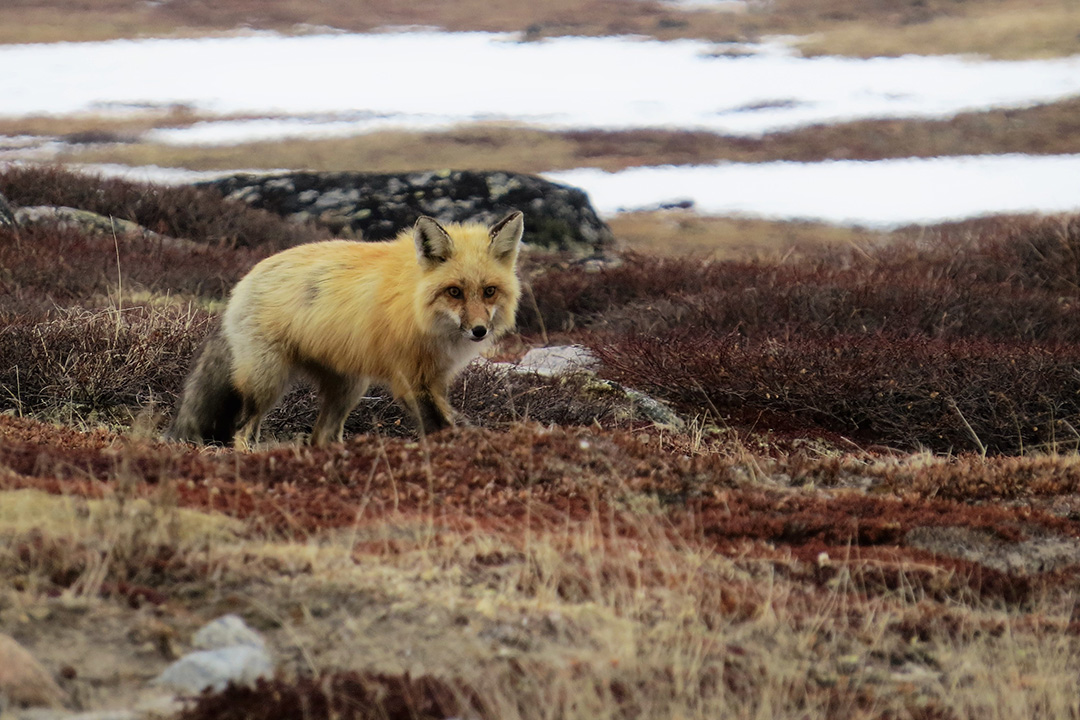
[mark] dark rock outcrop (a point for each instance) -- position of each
(377, 206)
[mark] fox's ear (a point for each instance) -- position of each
(433, 243)
(506, 237)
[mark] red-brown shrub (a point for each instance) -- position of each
(941, 291)
(959, 336)
(906, 391)
(104, 361)
(46, 265)
(1026, 251)
(183, 211)
(343, 695)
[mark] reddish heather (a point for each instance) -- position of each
(471, 479)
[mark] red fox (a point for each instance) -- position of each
(408, 313)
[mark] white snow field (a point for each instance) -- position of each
(343, 84)
(428, 79)
(883, 193)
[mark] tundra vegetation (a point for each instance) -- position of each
(873, 511)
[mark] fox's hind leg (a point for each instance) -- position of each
(260, 388)
(251, 416)
(210, 403)
(338, 395)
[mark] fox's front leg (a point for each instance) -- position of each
(430, 406)
(433, 409)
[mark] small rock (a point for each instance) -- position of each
(559, 360)
(913, 673)
(563, 360)
(84, 220)
(214, 669)
(228, 651)
(227, 631)
(653, 410)
(23, 681)
(848, 664)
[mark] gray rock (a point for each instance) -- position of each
(642, 406)
(563, 360)
(377, 206)
(653, 410)
(227, 631)
(80, 219)
(93, 223)
(7, 215)
(559, 360)
(228, 651)
(214, 669)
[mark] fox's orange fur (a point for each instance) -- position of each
(408, 313)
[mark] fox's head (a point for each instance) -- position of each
(470, 288)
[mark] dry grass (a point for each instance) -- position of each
(583, 596)
(1046, 129)
(97, 19)
(90, 128)
(477, 148)
(678, 233)
(22, 22)
(1013, 31)
(999, 28)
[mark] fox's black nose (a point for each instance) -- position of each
(479, 331)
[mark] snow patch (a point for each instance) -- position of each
(884, 193)
(336, 84)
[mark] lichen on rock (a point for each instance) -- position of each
(376, 206)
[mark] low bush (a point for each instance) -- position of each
(43, 266)
(942, 394)
(182, 211)
(1025, 251)
(1000, 279)
(962, 336)
(106, 364)
(345, 695)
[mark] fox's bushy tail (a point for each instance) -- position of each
(210, 404)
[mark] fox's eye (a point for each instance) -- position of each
(490, 291)
(453, 291)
